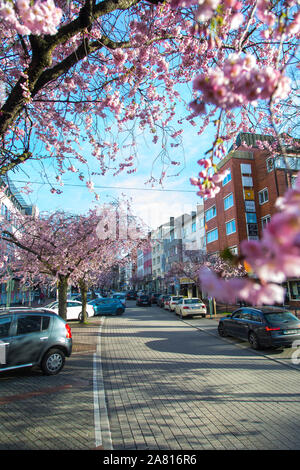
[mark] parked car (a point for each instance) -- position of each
(89, 296)
(33, 337)
(131, 295)
(189, 307)
(74, 309)
(171, 304)
(143, 299)
(154, 298)
(109, 306)
(121, 296)
(263, 327)
(161, 300)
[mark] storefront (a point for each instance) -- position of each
(188, 287)
(293, 292)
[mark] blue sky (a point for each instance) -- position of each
(151, 203)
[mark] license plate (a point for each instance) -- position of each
(291, 332)
(195, 308)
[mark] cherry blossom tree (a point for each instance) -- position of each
(196, 260)
(67, 248)
(97, 73)
(74, 72)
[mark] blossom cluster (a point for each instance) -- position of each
(206, 9)
(208, 179)
(240, 81)
(277, 255)
(272, 259)
(41, 18)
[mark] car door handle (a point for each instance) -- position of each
(44, 338)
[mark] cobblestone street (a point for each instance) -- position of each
(149, 381)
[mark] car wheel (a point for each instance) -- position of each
(80, 316)
(53, 362)
(253, 340)
(119, 311)
(221, 330)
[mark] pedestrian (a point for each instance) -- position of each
(42, 297)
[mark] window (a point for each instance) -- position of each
(246, 169)
(45, 323)
(230, 227)
(263, 196)
(73, 304)
(294, 290)
(289, 162)
(251, 218)
(227, 178)
(238, 314)
(255, 316)
(4, 326)
(193, 227)
(293, 180)
(270, 164)
(228, 201)
(234, 250)
(212, 235)
(210, 213)
(28, 324)
(265, 220)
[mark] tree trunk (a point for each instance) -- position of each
(83, 291)
(62, 296)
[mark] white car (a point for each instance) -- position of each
(173, 302)
(74, 309)
(190, 307)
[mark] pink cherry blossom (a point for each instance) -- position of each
(239, 82)
(41, 18)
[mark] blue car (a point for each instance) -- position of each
(108, 306)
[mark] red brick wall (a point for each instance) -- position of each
(274, 181)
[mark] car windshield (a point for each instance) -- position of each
(279, 317)
(144, 296)
(192, 301)
(176, 298)
(119, 296)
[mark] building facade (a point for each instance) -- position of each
(246, 201)
(11, 202)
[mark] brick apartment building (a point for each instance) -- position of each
(245, 203)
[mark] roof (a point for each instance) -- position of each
(267, 308)
(20, 310)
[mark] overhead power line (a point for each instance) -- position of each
(105, 187)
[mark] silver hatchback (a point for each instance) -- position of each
(33, 337)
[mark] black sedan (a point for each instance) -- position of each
(131, 295)
(263, 327)
(143, 300)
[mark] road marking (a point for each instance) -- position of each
(101, 422)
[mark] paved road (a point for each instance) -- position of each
(171, 386)
(151, 381)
